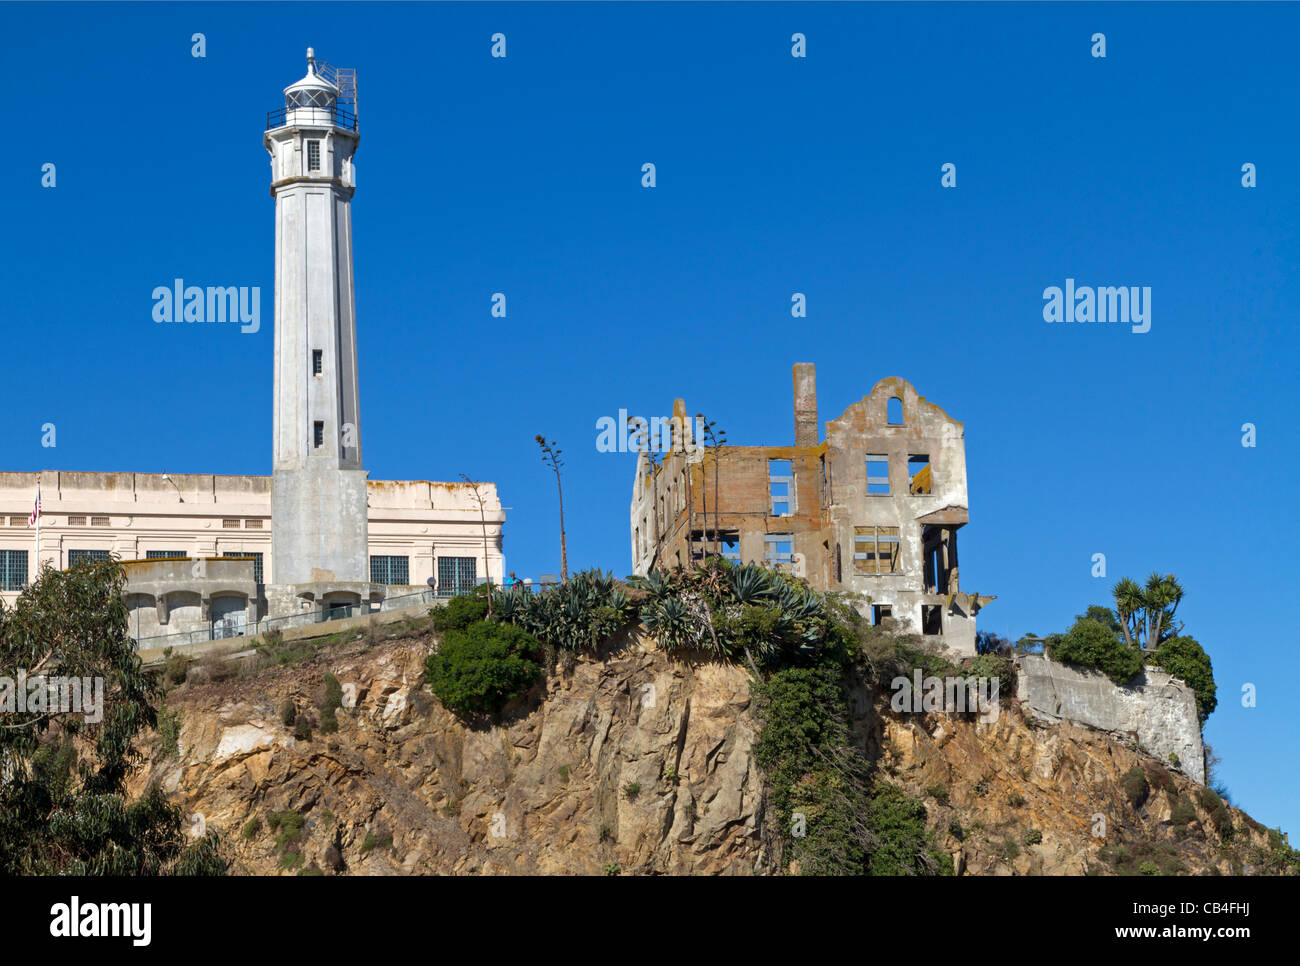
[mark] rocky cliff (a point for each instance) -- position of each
(636, 763)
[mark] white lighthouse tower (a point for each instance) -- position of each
(318, 489)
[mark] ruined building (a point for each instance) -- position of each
(873, 509)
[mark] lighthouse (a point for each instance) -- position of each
(318, 486)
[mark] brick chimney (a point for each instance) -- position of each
(805, 404)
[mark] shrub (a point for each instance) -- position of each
(1135, 786)
(904, 847)
(1016, 800)
(458, 613)
(331, 700)
(939, 793)
(379, 838)
(302, 728)
(288, 712)
(1033, 837)
(611, 868)
(1184, 658)
(251, 828)
(175, 667)
(1220, 817)
(482, 667)
(632, 790)
(169, 729)
(1091, 644)
(1182, 812)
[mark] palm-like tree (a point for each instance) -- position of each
(1146, 613)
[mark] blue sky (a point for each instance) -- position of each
(775, 175)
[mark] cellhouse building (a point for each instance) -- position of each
(211, 555)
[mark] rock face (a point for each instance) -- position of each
(1159, 710)
(636, 763)
(631, 764)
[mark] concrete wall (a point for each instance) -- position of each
(1159, 710)
(206, 515)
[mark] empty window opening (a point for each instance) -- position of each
(931, 619)
(881, 613)
(318, 434)
(918, 474)
(877, 475)
(316, 362)
(939, 556)
(710, 540)
(875, 550)
(313, 155)
(780, 487)
(894, 411)
(779, 550)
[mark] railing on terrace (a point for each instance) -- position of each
(225, 629)
(342, 118)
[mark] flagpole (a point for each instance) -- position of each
(38, 527)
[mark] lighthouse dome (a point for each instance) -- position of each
(313, 91)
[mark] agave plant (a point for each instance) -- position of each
(669, 621)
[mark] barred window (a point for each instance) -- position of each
(229, 524)
(87, 556)
(317, 362)
(252, 524)
(390, 570)
(313, 155)
(456, 575)
(13, 569)
(163, 554)
(76, 521)
(875, 550)
(318, 434)
(99, 521)
(257, 562)
(18, 521)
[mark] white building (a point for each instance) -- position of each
(316, 533)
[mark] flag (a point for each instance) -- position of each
(36, 510)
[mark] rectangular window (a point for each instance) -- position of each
(881, 613)
(316, 362)
(918, 474)
(163, 554)
(13, 569)
(931, 619)
(780, 487)
(76, 521)
(456, 575)
(877, 475)
(99, 521)
(875, 550)
(252, 524)
(313, 155)
(318, 434)
(779, 550)
(229, 524)
(88, 556)
(390, 570)
(18, 521)
(257, 562)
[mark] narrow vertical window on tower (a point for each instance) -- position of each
(318, 434)
(315, 362)
(313, 155)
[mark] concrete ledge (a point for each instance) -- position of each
(229, 645)
(1158, 709)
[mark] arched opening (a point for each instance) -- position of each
(229, 616)
(894, 411)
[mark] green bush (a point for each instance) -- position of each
(1091, 644)
(331, 701)
(480, 668)
(1135, 786)
(1033, 837)
(251, 828)
(458, 613)
(1184, 658)
(904, 847)
(377, 839)
(1182, 812)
